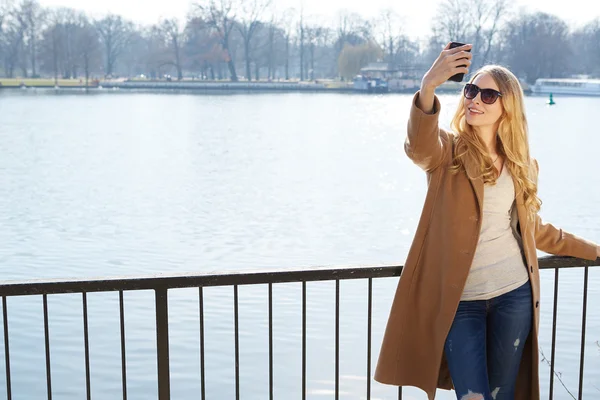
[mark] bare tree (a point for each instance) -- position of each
(247, 23)
(262, 45)
(389, 34)
(277, 41)
(351, 29)
(301, 38)
(87, 46)
(32, 16)
(69, 43)
(486, 17)
(203, 48)
(277, 47)
(173, 36)
(451, 20)
(531, 41)
(13, 36)
(271, 52)
(586, 48)
(143, 53)
(115, 33)
(311, 34)
(288, 27)
(50, 46)
(477, 22)
(269, 48)
(318, 38)
(220, 15)
(65, 24)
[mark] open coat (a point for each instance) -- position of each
(438, 263)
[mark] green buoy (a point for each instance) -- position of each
(550, 101)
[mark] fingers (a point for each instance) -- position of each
(460, 55)
(458, 70)
(450, 62)
(460, 63)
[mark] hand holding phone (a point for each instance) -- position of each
(460, 76)
(452, 64)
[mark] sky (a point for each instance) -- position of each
(416, 14)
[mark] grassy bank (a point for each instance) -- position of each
(16, 82)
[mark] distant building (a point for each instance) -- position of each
(380, 70)
(396, 79)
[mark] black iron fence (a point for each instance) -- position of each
(162, 284)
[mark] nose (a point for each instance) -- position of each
(476, 100)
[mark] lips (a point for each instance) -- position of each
(475, 111)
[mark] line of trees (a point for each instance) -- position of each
(252, 39)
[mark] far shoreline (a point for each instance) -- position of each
(212, 87)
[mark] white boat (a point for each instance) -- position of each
(575, 87)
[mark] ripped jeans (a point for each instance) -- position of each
(485, 344)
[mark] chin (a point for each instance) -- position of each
(475, 121)
(470, 121)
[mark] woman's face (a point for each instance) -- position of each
(478, 113)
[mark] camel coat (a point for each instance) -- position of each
(436, 269)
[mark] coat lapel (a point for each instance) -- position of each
(476, 182)
(520, 208)
(519, 224)
(523, 226)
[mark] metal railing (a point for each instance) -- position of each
(163, 283)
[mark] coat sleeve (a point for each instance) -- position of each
(425, 142)
(553, 240)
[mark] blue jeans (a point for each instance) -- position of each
(485, 344)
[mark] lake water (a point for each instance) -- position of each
(129, 183)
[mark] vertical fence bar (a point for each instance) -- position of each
(47, 343)
(162, 343)
(237, 342)
(553, 349)
(86, 343)
(399, 392)
(202, 374)
(6, 349)
(270, 341)
(583, 323)
(337, 339)
(303, 340)
(123, 360)
(369, 317)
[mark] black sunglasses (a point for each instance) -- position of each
(488, 96)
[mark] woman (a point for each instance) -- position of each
(466, 310)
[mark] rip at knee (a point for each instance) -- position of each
(495, 393)
(472, 396)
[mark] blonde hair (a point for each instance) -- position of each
(512, 139)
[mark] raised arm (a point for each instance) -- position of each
(425, 141)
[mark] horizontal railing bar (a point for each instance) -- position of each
(192, 280)
(230, 278)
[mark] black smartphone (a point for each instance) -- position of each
(457, 77)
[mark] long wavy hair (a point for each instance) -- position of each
(512, 139)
